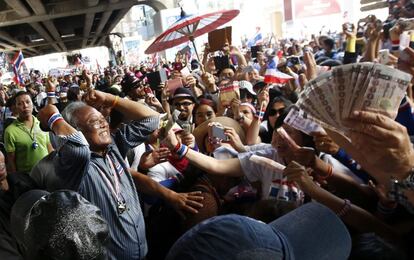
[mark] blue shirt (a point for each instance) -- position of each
(79, 169)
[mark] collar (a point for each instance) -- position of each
(35, 121)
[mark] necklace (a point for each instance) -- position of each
(33, 129)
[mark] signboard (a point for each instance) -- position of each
(287, 5)
(309, 8)
(131, 49)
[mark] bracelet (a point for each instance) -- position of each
(396, 42)
(330, 173)
(51, 94)
(53, 119)
(115, 101)
(345, 208)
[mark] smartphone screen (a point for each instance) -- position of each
(218, 132)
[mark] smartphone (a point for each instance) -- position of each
(173, 84)
(349, 27)
(383, 56)
(219, 133)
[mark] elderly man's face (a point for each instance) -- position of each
(94, 127)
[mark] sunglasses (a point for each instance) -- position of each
(184, 104)
(273, 112)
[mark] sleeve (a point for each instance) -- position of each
(9, 141)
(134, 133)
(73, 156)
(405, 116)
(253, 171)
(351, 164)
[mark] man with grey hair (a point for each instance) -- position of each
(90, 160)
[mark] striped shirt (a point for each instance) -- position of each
(79, 169)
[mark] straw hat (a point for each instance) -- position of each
(201, 131)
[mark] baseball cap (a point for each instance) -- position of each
(129, 82)
(244, 84)
(309, 232)
(59, 225)
(184, 93)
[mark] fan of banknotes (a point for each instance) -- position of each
(330, 98)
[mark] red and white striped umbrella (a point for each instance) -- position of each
(189, 27)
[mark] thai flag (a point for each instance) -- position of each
(17, 64)
(273, 76)
(257, 39)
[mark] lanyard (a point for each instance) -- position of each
(114, 188)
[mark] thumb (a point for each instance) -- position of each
(342, 141)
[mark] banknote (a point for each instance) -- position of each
(330, 99)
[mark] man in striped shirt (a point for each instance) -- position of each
(90, 160)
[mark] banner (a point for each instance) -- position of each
(309, 8)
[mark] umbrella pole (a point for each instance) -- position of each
(198, 58)
(195, 48)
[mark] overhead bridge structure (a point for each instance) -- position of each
(40, 27)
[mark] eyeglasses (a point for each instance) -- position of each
(184, 104)
(2, 166)
(273, 112)
(97, 123)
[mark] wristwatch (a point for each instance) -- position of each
(398, 189)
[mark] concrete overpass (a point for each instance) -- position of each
(45, 26)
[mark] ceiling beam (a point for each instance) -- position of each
(45, 35)
(21, 10)
(102, 23)
(18, 7)
(42, 44)
(116, 20)
(39, 9)
(20, 45)
(69, 10)
(87, 27)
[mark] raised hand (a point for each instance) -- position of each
(234, 139)
(298, 174)
(379, 144)
(44, 114)
(96, 98)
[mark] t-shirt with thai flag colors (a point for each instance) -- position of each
(274, 76)
(274, 185)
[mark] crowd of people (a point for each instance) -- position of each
(130, 164)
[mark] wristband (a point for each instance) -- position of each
(51, 94)
(115, 101)
(53, 119)
(345, 208)
(182, 151)
(177, 147)
(395, 47)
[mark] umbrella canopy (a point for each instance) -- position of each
(189, 27)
